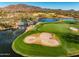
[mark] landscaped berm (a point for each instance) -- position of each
(48, 39)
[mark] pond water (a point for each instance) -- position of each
(66, 18)
(47, 20)
(6, 39)
(55, 19)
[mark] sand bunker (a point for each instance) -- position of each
(74, 29)
(44, 38)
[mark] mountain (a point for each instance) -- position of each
(21, 7)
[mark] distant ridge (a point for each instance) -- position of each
(21, 7)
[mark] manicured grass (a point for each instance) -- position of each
(67, 47)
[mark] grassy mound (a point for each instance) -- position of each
(68, 46)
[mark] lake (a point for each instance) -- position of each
(6, 39)
(55, 19)
(47, 20)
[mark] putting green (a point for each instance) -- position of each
(69, 44)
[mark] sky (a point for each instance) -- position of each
(51, 5)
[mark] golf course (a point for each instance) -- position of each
(68, 39)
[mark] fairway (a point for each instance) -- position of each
(68, 46)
